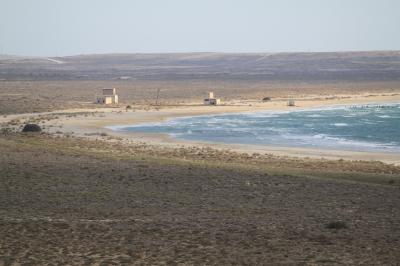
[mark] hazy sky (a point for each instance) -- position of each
(67, 27)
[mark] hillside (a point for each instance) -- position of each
(354, 66)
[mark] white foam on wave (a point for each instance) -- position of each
(267, 114)
(340, 124)
(314, 115)
(263, 114)
(323, 140)
(253, 128)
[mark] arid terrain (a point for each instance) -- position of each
(42, 84)
(77, 195)
(77, 202)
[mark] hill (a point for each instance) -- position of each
(349, 66)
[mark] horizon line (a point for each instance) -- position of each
(199, 52)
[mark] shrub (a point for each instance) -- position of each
(32, 128)
(336, 225)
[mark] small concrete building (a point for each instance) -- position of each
(211, 100)
(291, 103)
(109, 96)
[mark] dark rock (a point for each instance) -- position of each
(31, 128)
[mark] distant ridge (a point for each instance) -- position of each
(361, 65)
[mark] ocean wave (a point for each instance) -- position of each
(323, 140)
(338, 127)
(340, 124)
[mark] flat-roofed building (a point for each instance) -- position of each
(109, 96)
(211, 100)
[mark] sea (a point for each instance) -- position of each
(371, 127)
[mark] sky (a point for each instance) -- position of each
(72, 27)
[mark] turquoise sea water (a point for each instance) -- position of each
(358, 128)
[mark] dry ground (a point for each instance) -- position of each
(42, 84)
(67, 200)
(41, 96)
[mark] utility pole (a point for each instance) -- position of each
(158, 94)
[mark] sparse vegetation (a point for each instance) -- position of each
(62, 197)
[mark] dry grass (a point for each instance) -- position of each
(68, 200)
(359, 171)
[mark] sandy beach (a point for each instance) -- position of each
(88, 126)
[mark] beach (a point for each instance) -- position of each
(138, 117)
(103, 120)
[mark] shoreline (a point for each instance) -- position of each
(271, 111)
(299, 152)
(125, 119)
(91, 126)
